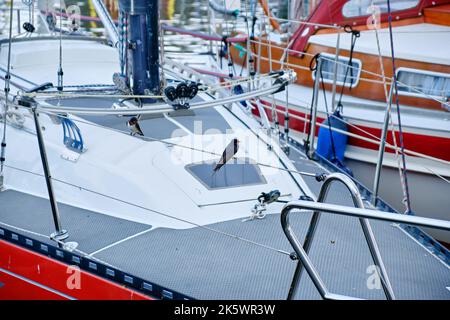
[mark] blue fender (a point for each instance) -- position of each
(325, 144)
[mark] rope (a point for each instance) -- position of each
(405, 177)
(122, 38)
(391, 123)
(355, 36)
(375, 139)
(333, 149)
(312, 67)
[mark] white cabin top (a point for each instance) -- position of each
(422, 42)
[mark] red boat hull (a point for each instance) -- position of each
(27, 275)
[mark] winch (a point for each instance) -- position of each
(179, 96)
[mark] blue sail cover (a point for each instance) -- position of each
(144, 44)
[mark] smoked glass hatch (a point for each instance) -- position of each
(236, 173)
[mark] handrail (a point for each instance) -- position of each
(163, 107)
(370, 239)
(60, 234)
(370, 214)
(359, 212)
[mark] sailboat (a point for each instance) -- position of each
(110, 187)
(353, 40)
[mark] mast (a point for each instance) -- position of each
(143, 45)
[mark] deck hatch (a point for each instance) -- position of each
(237, 173)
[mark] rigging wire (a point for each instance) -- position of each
(377, 75)
(173, 144)
(313, 68)
(389, 106)
(230, 235)
(7, 90)
(375, 140)
(60, 69)
(274, 107)
(355, 36)
(207, 89)
(333, 148)
(224, 233)
(399, 123)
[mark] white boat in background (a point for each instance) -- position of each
(354, 43)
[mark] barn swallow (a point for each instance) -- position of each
(231, 149)
(135, 129)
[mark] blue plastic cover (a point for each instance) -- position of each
(324, 143)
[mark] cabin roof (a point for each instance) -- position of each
(433, 46)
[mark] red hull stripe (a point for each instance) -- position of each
(29, 275)
(15, 287)
(437, 147)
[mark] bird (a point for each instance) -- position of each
(231, 149)
(135, 129)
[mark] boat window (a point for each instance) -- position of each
(236, 173)
(328, 63)
(429, 83)
(358, 8)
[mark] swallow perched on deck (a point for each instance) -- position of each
(135, 129)
(231, 149)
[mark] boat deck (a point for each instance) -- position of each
(208, 263)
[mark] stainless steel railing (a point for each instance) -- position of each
(359, 212)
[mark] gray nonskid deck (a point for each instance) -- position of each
(91, 230)
(210, 265)
(207, 265)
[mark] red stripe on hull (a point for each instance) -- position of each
(13, 288)
(437, 147)
(54, 275)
